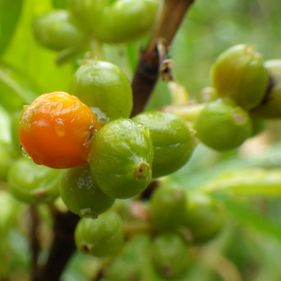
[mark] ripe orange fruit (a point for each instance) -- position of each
(56, 130)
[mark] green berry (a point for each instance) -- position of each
(56, 31)
(222, 125)
(32, 183)
(167, 208)
(81, 195)
(270, 107)
(172, 140)
(239, 73)
(100, 237)
(105, 86)
(170, 256)
(205, 218)
(121, 157)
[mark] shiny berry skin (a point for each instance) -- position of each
(205, 218)
(167, 207)
(56, 31)
(121, 157)
(173, 143)
(103, 85)
(100, 237)
(239, 73)
(81, 195)
(32, 183)
(56, 130)
(222, 125)
(170, 256)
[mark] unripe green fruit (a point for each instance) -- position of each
(100, 237)
(170, 256)
(222, 125)
(56, 31)
(121, 157)
(81, 195)
(167, 208)
(172, 141)
(116, 23)
(32, 183)
(105, 86)
(270, 107)
(239, 73)
(205, 218)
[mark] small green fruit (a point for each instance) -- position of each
(167, 208)
(270, 107)
(239, 73)
(222, 125)
(172, 140)
(121, 157)
(32, 183)
(56, 31)
(170, 256)
(100, 237)
(81, 195)
(105, 86)
(205, 218)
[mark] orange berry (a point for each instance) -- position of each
(56, 130)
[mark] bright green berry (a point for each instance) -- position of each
(105, 86)
(121, 157)
(205, 218)
(170, 256)
(167, 208)
(239, 73)
(81, 195)
(100, 237)
(222, 125)
(173, 143)
(56, 31)
(32, 183)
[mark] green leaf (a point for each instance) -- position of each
(251, 219)
(248, 182)
(15, 88)
(10, 12)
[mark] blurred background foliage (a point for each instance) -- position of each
(250, 247)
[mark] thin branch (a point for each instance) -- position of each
(62, 248)
(148, 69)
(34, 238)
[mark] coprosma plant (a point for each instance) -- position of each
(100, 163)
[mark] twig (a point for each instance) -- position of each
(34, 238)
(62, 248)
(148, 69)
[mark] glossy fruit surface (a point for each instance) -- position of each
(116, 23)
(80, 193)
(100, 237)
(167, 208)
(56, 130)
(173, 142)
(239, 73)
(121, 157)
(222, 125)
(170, 256)
(87, 13)
(32, 183)
(205, 218)
(105, 86)
(56, 31)
(270, 107)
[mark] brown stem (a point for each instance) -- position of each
(34, 238)
(148, 69)
(62, 248)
